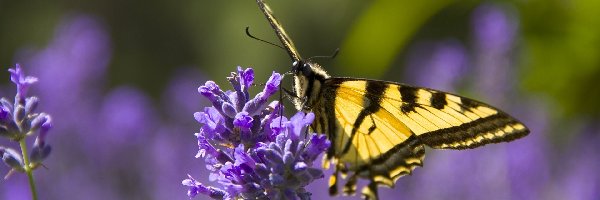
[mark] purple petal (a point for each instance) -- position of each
(299, 124)
(273, 84)
(243, 120)
(246, 77)
(17, 76)
(197, 188)
(278, 124)
(211, 91)
(205, 148)
(318, 144)
(241, 157)
(211, 119)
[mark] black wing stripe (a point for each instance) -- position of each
(332, 125)
(438, 100)
(374, 93)
(409, 96)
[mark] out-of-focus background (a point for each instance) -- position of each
(120, 80)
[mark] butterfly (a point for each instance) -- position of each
(379, 129)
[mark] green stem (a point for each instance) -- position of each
(28, 169)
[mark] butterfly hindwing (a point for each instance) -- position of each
(379, 128)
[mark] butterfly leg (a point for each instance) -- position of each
(350, 186)
(333, 190)
(289, 94)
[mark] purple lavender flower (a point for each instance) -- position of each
(19, 120)
(250, 150)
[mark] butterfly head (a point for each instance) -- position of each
(308, 77)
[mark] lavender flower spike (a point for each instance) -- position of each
(251, 151)
(19, 120)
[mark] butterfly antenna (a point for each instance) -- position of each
(256, 38)
(332, 56)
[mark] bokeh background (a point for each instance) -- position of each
(120, 80)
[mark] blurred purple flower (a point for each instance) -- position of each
(79, 54)
(581, 178)
(177, 98)
(126, 115)
(124, 121)
(437, 65)
(170, 144)
(250, 150)
(527, 160)
(495, 30)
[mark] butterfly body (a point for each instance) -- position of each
(379, 129)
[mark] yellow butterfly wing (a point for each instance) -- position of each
(378, 129)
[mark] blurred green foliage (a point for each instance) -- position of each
(382, 31)
(558, 52)
(562, 50)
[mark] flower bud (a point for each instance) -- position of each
(12, 159)
(19, 113)
(39, 152)
(228, 109)
(31, 104)
(37, 122)
(47, 125)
